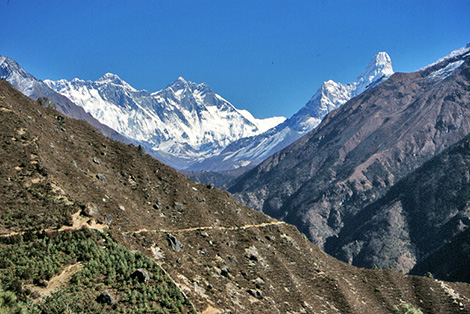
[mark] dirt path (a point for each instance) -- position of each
(77, 223)
(211, 310)
(265, 224)
(57, 281)
(81, 221)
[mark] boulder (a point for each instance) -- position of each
(46, 103)
(60, 119)
(100, 177)
(89, 210)
(105, 298)
(225, 272)
(256, 293)
(175, 244)
(178, 206)
(141, 274)
(141, 150)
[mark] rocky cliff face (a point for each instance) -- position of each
(324, 181)
(58, 173)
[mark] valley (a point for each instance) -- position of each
(331, 182)
(223, 256)
(225, 157)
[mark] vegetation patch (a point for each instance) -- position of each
(81, 271)
(406, 309)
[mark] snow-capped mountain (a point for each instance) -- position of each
(183, 123)
(331, 95)
(22, 80)
(34, 88)
(190, 127)
(453, 61)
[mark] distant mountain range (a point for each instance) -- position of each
(331, 95)
(359, 186)
(188, 126)
(184, 123)
(34, 88)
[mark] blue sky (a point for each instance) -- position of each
(265, 56)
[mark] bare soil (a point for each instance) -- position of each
(56, 282)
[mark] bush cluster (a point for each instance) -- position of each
(34, 258)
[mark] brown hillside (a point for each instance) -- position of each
(225, 257)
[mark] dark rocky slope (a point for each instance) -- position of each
(323, 182)
(224, 256)
(419, 219)
(450, 261)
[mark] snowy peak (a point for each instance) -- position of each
(186, 93)
(379, 67)
(262, 124)
(456, 54)
(444, 67)
(194, 96)
(180, 84)
(184, 122)
(8, 62)
(19, 78)
(181, 80)
(330, 96)
(11, 70)
(381, 63)
(23, 81)
(177, 88)
(110, 78)
(333, 94)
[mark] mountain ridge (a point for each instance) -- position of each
(207, 145)
(429, 206)
(34, 88)
(326, 178)
(182, 123)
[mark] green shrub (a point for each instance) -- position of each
(406, 309)
(105, 265)
(429, 275)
